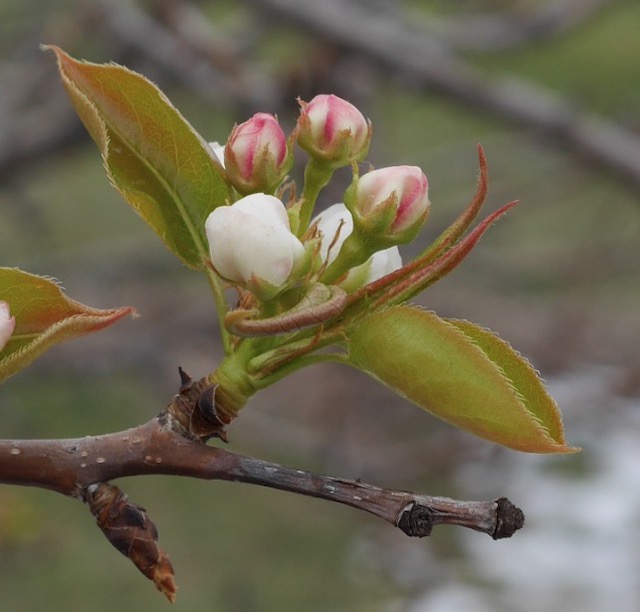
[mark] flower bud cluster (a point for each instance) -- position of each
(261, 244)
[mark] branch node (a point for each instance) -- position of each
(509, 518)
(416, 520)
(206, 406)
(193, 412)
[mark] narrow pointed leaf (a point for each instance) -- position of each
(457, 229)
(406, 282)
(461, 374)
(152, 155)
(423, 277)
(44, 316)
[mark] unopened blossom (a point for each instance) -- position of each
(250, 243)
(390, 203)
(335, 225)
(218, 151)
(7, 324)
(333, 130)
(256, 155)
(382, 263)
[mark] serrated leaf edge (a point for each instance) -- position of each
(561, 442)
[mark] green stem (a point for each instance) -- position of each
(354, 252)
(316, 176)
(221, 308)
(298, 364)
(235, 386)
(271, 365)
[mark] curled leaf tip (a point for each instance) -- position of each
(45, 316)
(482, 160)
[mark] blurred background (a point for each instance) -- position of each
(552, 91)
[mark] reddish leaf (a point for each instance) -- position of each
(44, 316)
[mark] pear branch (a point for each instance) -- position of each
(71, 466)
(174, 443)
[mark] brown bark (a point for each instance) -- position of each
(70, 466)
(174, 443)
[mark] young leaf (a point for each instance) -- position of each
(460, 373)
(44, 316)
(153, 157)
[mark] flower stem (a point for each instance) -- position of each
(316, 175)
(221, 308)
(354, 252)
(234, 385)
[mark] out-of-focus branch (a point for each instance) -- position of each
(189, 50)
(514, 27)
(431, 64)
(193, 51)
(37, 118)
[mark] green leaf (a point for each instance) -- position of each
(153, 157)
(462, 374)
(44, 316)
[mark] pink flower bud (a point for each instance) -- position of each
(256, 156)
(250, 243)
(7, 324)
(333, 130)
(390, 203)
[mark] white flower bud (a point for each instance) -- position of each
(383, 263)
(251, 244)
(335, 225)
(7, 324)
(218, 151)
